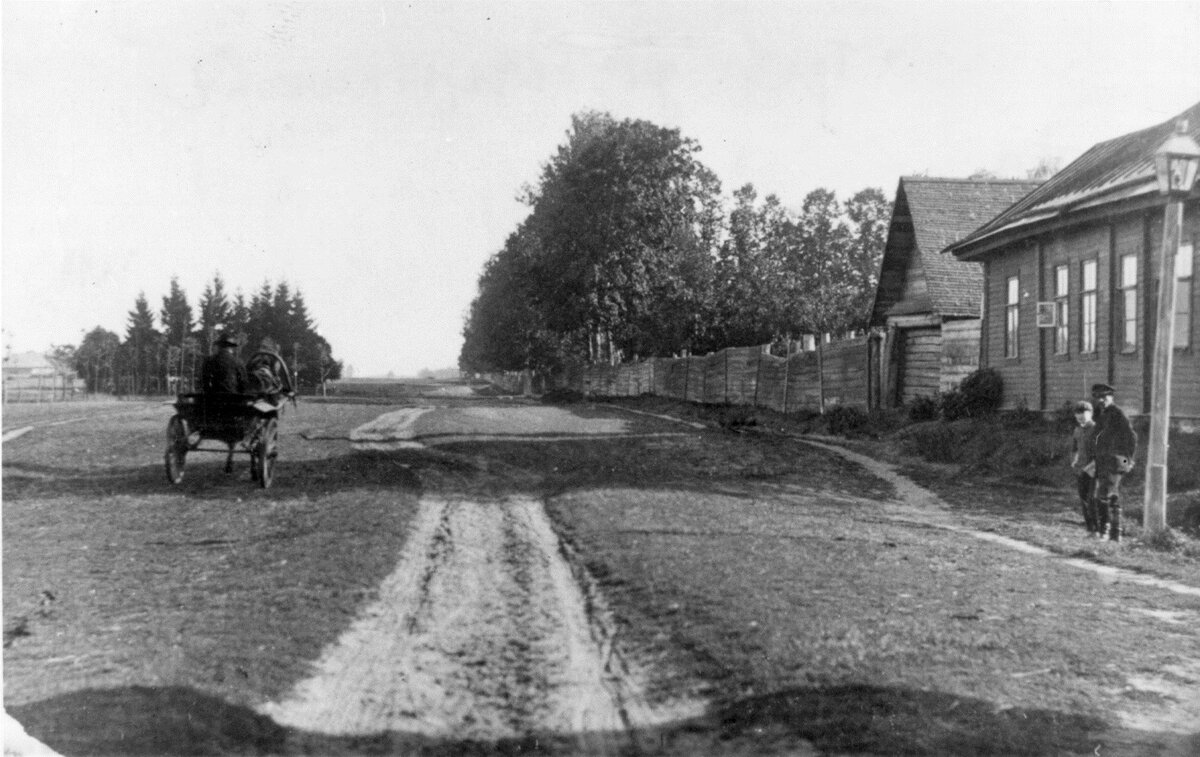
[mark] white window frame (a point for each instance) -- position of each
(1012, 317)
(1184, 263)
(1089, 276)
(1062, 290)
(1129, 301)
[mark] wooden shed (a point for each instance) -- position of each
(1071, 281)
(928, 301)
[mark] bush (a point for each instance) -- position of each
(954, 405)
(924, 409)
(844, 419)
(736, 417)
(982, 392)
(885, 420)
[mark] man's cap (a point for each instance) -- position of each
(1083, 405)
(228, 339)
(1099, 390)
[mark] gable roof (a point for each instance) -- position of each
(941, 211)
(1109, 172)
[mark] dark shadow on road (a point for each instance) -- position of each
(866, 719)
(859, 719)
(538, 467)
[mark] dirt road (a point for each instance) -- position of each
(506, 577)
(483, 632)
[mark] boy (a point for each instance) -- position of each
(1083, 462)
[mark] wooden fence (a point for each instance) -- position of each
(50, 388)
(840, 373)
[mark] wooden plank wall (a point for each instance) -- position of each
(960, 351)
(738, 376)
(920, 363)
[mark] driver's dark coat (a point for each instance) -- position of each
(223, 373)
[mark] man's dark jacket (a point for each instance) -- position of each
(223, 373)
(1114, 436)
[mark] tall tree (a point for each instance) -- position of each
(95, 358)
(869, 212)
(214, 312)
(239, 316)
(821, 275)
(506, 329)
(626, 217)
(177, 322)
(141, 346)
(261, 316)
(749, 266)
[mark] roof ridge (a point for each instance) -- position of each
(960, 180)
(1101, 170)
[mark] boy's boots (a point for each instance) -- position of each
(1114, 519)
(1090, 517)
(1101, 518)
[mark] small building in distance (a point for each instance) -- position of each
(928, 301)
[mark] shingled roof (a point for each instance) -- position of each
(941, 212)
(1109, 172)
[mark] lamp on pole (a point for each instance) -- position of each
(1175, 165)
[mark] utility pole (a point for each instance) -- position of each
(1176, 163)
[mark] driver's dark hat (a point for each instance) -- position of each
(230, 340)
(1099, 390)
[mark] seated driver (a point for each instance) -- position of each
(222, 372)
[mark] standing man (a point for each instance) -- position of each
(222, 372)
(1116, 443)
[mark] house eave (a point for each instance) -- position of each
(1132, 200)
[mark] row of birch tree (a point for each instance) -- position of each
(630, 250)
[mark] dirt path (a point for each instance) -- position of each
(482, 632)
(1166, 700)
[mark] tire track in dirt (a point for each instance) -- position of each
(482, 632)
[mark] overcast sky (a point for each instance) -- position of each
(370, 154)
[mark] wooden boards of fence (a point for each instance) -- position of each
(838, 375)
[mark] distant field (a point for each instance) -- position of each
(399, 388)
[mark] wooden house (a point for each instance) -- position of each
(927, 300)
(1071, 281)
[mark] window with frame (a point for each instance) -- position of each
(1012, 315)
(1183, 295)
(1062, 288)
(1129, 299)
(1087, 319)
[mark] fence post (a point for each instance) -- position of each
(757, 375)
(726, 375)
(687, 373)
(787, 375)
(820, 374)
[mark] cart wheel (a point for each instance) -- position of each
(263, 457)
(177, 447)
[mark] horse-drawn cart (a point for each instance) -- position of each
(246, 424)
